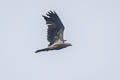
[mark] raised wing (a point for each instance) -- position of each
(55, 27)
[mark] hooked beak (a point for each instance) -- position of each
(65, 40)
(70, 44)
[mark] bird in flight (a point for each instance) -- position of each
(54, 32)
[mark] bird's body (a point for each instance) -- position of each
(55, 32)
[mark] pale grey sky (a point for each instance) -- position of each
(92, 26)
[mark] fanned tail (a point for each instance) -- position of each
(46, 49)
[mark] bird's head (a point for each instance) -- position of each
(68, 44)
(65, 40)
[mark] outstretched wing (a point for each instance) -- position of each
(55, 27)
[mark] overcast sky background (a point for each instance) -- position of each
(91, 26)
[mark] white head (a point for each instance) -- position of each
(67, 44)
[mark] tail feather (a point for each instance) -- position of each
(46, 49)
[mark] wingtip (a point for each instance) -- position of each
(51, 12)
(43, 16)
(54, 11)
